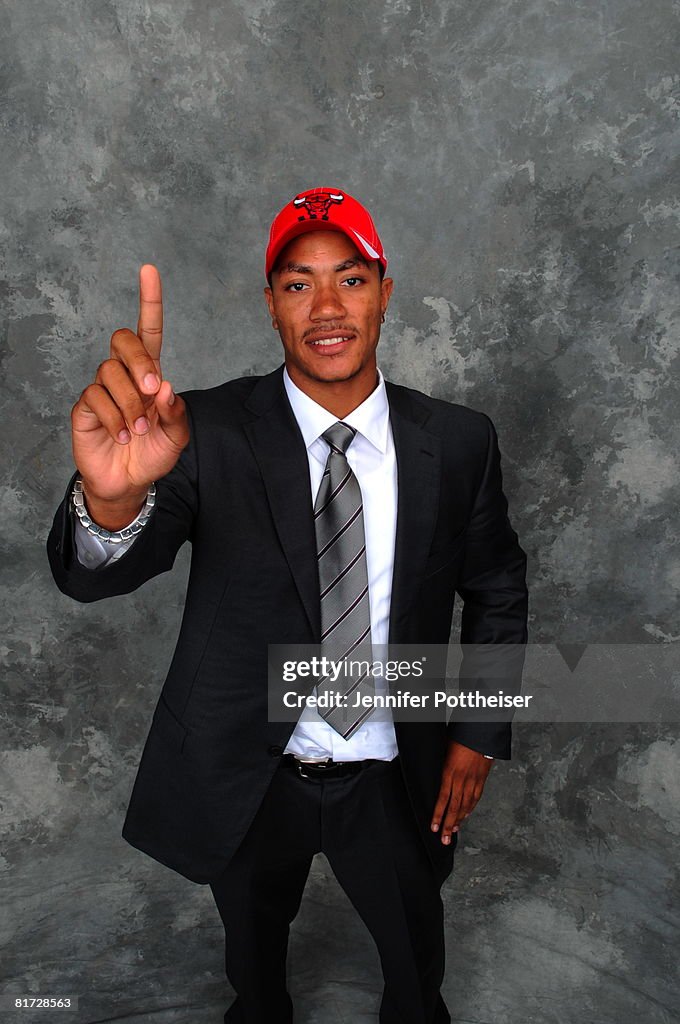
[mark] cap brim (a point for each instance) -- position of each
(322, 225)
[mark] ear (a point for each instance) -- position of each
(386, 287)
(269, 299)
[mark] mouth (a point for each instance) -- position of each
(330, 343)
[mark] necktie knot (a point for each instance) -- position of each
(339, 437)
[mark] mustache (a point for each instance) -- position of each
(313, 332)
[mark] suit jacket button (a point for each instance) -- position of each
(275, 750)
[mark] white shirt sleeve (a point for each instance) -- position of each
(94, 553)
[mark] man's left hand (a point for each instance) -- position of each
(463, 778)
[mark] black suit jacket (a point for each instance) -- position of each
(240, 494)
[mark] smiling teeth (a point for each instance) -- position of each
(329, 341)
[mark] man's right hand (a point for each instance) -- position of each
(129, 427)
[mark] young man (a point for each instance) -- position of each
(324, 505)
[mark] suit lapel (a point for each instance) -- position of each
(280, 451)
(418, 471)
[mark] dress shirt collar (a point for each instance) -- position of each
(370, 419)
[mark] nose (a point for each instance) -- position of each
(327, 303)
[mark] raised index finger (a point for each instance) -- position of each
(150, 323)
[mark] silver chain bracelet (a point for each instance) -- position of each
(112, 536)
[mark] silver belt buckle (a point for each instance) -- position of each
(300, 762)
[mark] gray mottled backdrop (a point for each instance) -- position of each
(521, 160)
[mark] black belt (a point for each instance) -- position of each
(328, 769)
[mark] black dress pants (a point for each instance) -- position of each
(364, 825)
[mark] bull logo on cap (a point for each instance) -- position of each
(318, 205)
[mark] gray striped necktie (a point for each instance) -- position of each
(343, 578)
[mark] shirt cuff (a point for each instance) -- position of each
(94, 553)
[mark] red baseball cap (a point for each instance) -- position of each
(324, 209)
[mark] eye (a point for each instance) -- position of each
(353, 281)
(295, 286)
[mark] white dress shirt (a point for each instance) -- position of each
(372, 459)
